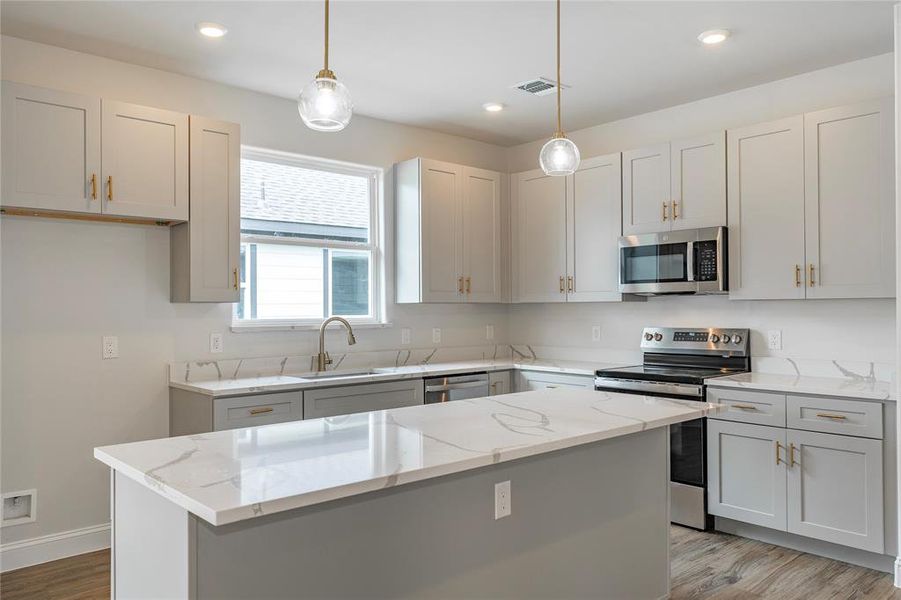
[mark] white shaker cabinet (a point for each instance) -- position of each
(746, 474)
(835, 489)
(646, 190)
(849, 201)
(565, 232)
(145, 162)
(205, 251)
(500, 382)
(448, 232)
(51, 149)
(766, 210)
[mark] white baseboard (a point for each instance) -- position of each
(35, 551)
(898, 572)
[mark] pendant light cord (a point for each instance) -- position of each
(326, 35)
(559, 83)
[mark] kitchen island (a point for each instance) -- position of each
(402, 503)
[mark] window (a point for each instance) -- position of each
(309, 240)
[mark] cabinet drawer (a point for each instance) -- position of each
(834, 415)
(760, 408)
(540, 380)
(349, 399)
(262, 409)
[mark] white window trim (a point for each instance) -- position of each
(376, 240)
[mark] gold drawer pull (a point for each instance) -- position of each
(460, 284)
(778, 458)
(261, 411)
(562, 284)
(664, 211)
(570, 283)
(469, 285)
(811, 269)
(675, 213)
(744, 406)
(550, 387)
(236, 278)
(791, 456)
(93, 186)
(831, 416)
(797, 275)
(109, 188)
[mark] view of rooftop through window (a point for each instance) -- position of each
(306, 250)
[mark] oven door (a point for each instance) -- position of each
(657, 264)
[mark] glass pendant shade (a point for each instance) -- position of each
(324, 104)
(559, 156)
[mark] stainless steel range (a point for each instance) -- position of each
(676, 363)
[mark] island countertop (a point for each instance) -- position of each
(228, 476)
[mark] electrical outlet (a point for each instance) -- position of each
(436, 335)
(216, 342)
(596, 333)
(501, 500)
(405, 335)
(489, 332)
(774, 339)
(20, 507)
(110, 347)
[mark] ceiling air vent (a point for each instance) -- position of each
(538, 86)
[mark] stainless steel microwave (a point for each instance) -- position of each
(692, 261)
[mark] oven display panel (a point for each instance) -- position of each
(691, 336)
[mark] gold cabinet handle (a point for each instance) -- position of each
(833, 417)
(93, 186)
(791, 456)
(109, 188)
(469, 285)
(797, 275)
(562, 284)
(236, 277)
(779, 458)
(744, 406)
(810, 270)
(571, 283)
(260, 411)
(460, 284)
(664, 211)
(675, 213)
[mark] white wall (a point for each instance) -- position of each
(822, 330)
(66, 284)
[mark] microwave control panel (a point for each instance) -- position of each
(705, 261)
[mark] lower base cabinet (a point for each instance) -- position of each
(191, 413)
(527, 381)
(349, 399)
(499, 383)
(819, 485)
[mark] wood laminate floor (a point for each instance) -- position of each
(706, 566)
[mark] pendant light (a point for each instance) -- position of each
(324, 104)
(559, 156)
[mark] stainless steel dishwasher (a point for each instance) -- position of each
(455, 387)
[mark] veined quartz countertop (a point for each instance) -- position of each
(280, 383)
(229, 476)
(861, 388)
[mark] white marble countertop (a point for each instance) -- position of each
(281, 383)
(850, 387)
(229, 476)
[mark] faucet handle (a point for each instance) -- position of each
(328, 359)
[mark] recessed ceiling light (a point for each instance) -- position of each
(493, 106)
(714, 36)
(212, 30)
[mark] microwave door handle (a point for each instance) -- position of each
(690, 259)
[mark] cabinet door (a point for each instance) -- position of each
(482, 235)
(205, 251)
(349, 399)
(766, 210)
(835, 489)
(646, 190)
(593, 219)
(51, 149)
(699, 182)
(441, 189)
(499, 383)
(539, 237)
(850, 201)
(746, 473)
(145, 162)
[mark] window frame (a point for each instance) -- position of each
(376, 176)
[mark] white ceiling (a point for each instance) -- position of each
(434, 63)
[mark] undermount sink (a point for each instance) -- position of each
(343, 374)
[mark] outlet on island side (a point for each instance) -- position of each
(109, 347)
(596, 333)
(502, 500)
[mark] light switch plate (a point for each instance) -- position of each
(436, 335)
(110, 347)
(774, 339)
(405, 335)
(215, 342)
(502, 500)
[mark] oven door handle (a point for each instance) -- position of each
(690, 259)
(636, 385)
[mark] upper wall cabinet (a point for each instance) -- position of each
(448, 232)
(811, 205)
(678, 185)
(565, 231)
(51, 149)
(55, 158)
(205, 251)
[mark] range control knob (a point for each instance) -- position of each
(726, 339)
(649, 336)
(736, 339)
(658, 336)
(715, 338)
